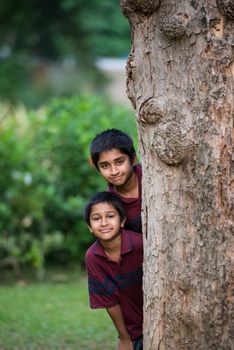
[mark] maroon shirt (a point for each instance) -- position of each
(111, 283)
(132, 205)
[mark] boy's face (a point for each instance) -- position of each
(115, 167)
(105, 221)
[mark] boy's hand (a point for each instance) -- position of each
(125, 344)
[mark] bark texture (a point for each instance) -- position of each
(180, 74)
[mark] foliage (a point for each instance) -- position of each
(46, 177)
(35, 33)
(53, 316)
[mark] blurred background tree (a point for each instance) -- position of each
(50, 47)
(51, 107)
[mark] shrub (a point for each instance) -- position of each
(46, 176)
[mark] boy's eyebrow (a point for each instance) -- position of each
(105, 161)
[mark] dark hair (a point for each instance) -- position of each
(109, 139)
(104, 197)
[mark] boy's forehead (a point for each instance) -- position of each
(102, 207)
(111, 155)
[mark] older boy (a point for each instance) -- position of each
(113, 154)
(114, 265)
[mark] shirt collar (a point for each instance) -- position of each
(126, 245)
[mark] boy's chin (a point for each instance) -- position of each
(117, 184)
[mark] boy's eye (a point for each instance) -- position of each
(120, 161)
(95, 218)
(104, 166)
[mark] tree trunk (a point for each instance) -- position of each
(180, 82)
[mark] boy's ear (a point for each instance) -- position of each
(92, 165)
(122, 223)
(90, 229)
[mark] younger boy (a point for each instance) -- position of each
(114, 265)
(113, 154)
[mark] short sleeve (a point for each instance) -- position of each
(103, 291)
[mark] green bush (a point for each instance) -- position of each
(46, 177)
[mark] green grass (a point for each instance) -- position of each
(52, 316)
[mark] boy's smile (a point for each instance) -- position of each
(105, 221)
(115, 167)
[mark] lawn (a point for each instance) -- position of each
(52, 315)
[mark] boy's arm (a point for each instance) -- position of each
(125, 342)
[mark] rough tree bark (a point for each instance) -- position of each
(180, 81)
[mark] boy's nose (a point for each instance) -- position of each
(104, 221)
(114, 170)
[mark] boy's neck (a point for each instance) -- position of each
(129, 189)
(113, 248)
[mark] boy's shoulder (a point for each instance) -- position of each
(138, 167)
(132, 233)
(138, 170)
(90, 253)
(132, 248)
(136, 238)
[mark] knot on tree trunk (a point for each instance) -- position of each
(175, 26)
(144, 6)
(171, 143)
(150, 111)
(226, 7)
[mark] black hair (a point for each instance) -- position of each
(104, 197)
(109, 139)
